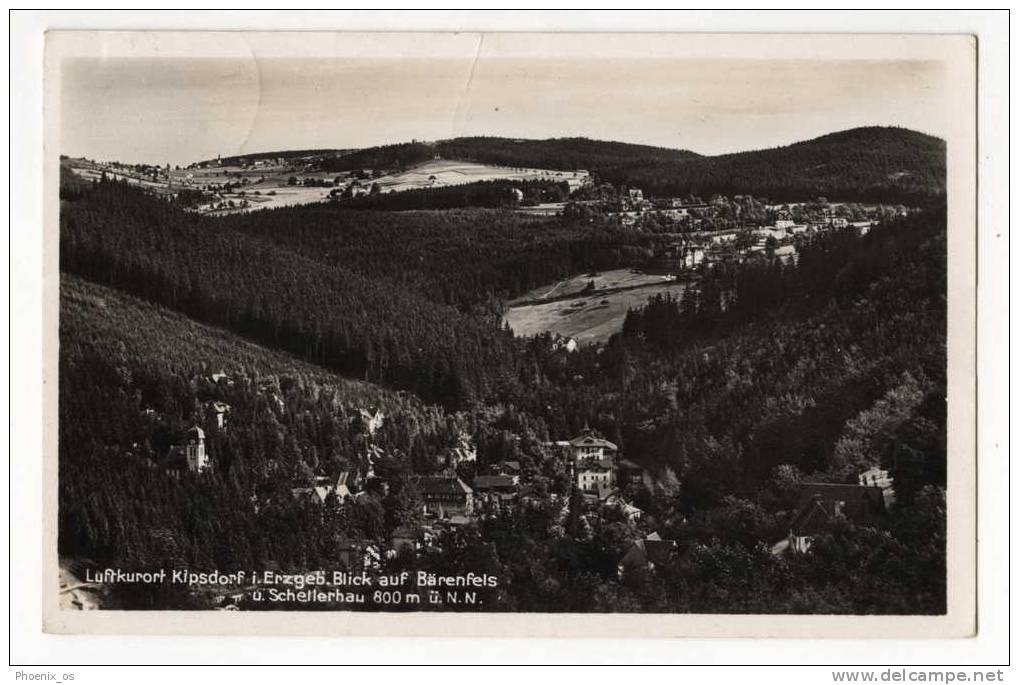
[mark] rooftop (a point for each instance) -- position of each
(589, 439)
(493, 482)
(821, 502)
(442, 485)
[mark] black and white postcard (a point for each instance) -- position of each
(510, 334)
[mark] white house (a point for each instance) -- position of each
(191, 454)
(595, 476)
(594, 462)
(588, 446)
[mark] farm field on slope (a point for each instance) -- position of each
(603, 280)
(589, 318)
(269, 187)
(452, 172)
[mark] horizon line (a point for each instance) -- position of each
(552, 138)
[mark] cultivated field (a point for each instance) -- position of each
(603, 280)
(592, 318)
(267, 187)
(442, 172)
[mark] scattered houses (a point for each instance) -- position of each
(323, 488)
(720, 237)
(820, 503)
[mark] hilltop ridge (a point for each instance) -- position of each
(870, 163)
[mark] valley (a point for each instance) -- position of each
(609, 376)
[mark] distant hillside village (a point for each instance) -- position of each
(727, 229)
(240, 184)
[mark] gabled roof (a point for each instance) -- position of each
(589, 440)
(442, 485)
(820, 502)
(811, 519)
(650, 550)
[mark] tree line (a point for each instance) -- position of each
(761, 378)
(329, 314)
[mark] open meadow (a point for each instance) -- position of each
(603, 280)
(589, 318)
(269, 186)
(443, 172)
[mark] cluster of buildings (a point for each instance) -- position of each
(709, 247)
(596, 468)
(596, 471)
(863, 503)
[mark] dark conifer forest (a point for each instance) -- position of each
(870, 164)
(767, 375)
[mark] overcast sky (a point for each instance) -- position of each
(183, 110)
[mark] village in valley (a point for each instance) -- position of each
(690, 234)
(586, 477)
(599, 394)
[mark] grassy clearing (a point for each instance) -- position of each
(274, 179)
(589, 318)
(451, 172)
(603, 280)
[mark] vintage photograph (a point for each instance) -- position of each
(506, 324)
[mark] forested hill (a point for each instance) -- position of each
(497, 254)
(876, 164)
(119, 236)
(280, 154)
(873, 164)
(553, 153)
(134, 376)
(558, 153)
